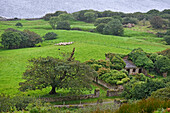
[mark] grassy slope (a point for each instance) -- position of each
(88, 46)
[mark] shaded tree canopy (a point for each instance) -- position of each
(13, 39)
(57, 73)
(114, 27)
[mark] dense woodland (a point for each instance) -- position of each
(35, 67)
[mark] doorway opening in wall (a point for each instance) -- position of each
(140, 70)
(134, 70)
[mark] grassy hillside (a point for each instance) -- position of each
(88, 46)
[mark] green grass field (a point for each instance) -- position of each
(88, 46)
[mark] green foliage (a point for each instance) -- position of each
(119, 82)
(117, 62)
(63, 25)
(114, 77)
(53, 22)
(138, 56)
(49, 15)
(114, 27)
(90, 16)
(104, 20)
(162, 63)
(100, 27)
(144, 106)
(163, 93)
(11, 40)
(165, 53)
(140, 90)
(11, 104)
(153, 57)
(127, 20)
(33, 38)
(18, 24)
(156, 22)
(153, 12)
(56, 73)
(50, 36)
(167, 39)
(66, 17)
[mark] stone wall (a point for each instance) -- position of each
(67, 98)
(114, 92)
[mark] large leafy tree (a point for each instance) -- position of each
(156, 22)
(11, 40)
(57, 73)
(114, 27)
(90, 16)
(53, 21)
(162, 64)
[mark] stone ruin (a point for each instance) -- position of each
(64, 43)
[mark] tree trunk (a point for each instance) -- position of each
(52, 91)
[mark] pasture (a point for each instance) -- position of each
(88, 46)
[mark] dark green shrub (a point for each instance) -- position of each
(162, 64)
(167, 39)
(66, 16)
(114, 27)
(11, 40)
(102, 20)
(127, 20)
(140, 90)
(90, 16)
(63, 25)
(76, 28)
(18, 24)
(160, 34)
(50, 36)
(8, 103)
(33, 39)
(156, 22)
(100, 27)
(163, 93)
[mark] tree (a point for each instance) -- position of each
(127, 20)
(153, 12)
(162, 64)
(114, 27)
(156, 22)
(90, 16)
(57, 73)
(163, 93)
(11, 40)
(50, 36)
(167, 39)
(18, 24)
(53, 22)
(33, 38)
(140, 90)
(63, 25)
(100, 27)
(138, 56)
(102, 20)
(66, 16)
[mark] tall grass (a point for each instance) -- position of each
(144, 106)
